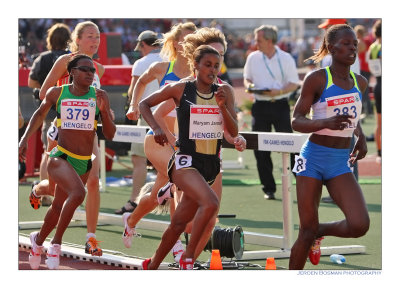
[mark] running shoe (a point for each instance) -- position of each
(186, 264)
(53, 256)
(128, 231)
(123, 209)
(35, 201)
(177, 251)
(92, 247)
(315, 251)
(145, 264)
(35, 255)
(164, 193)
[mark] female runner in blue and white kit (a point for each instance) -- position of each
(334, 96)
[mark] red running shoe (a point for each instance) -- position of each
(315, 251)
(145, 264)
(186, 264)
(35, 201)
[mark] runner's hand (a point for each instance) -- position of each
(220, 96)
(133, 113)
(360, 150)
(160, 137)
(338, 122)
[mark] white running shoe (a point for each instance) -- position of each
(177, 251)
(35, 256)
(53, 256)
(164, 193)
(128, 231)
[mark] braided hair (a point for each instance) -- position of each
(330, 37)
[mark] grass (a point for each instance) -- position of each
(253, 214)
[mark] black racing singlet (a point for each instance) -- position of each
(186, 144)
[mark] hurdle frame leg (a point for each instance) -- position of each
(102, 165)
(287, 202)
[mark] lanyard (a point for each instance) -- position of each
(269, 70)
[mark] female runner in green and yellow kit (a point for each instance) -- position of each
(79, 105)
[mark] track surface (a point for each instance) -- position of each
(65, 263)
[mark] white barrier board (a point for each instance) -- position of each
(281, 142)
(130, 134)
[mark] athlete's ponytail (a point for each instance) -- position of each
(330, 37)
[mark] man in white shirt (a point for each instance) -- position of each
(270, 74)
(149, 47)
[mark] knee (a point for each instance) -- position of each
(77, 196)
(359, 227)
(212, 205)
(139, 161)
(178, 226)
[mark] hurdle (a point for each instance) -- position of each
(284, 143)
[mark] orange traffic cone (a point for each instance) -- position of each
(215, 263)
(270, 264)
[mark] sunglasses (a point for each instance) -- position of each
(86, 69)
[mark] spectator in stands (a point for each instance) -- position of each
(363, 45)
(374, 57)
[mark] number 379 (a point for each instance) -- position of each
(76, 112)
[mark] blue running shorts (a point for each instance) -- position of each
(321, 162)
